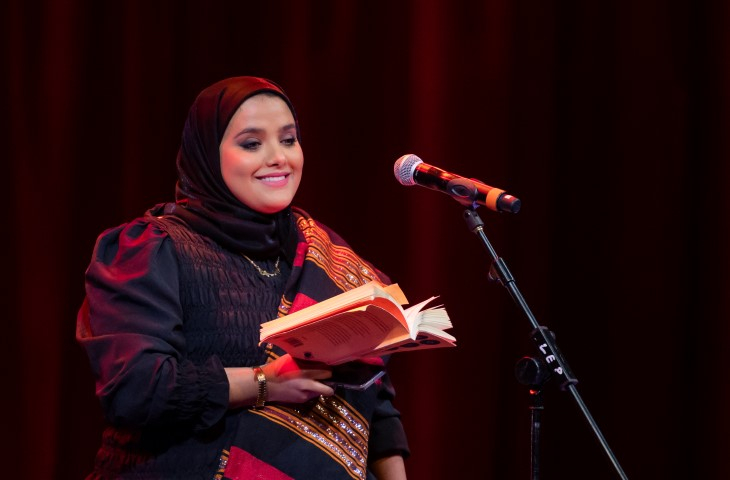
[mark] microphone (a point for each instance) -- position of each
(410, 170)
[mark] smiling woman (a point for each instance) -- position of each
(261, 158)
(175, 300)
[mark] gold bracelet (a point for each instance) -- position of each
(259, 376)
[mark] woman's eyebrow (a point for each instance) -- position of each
(257, 130)
(249, 130)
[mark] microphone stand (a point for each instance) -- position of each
(543, 338)
(533, 373)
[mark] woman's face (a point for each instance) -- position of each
(261, 159)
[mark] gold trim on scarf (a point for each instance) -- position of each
(329, 423)
(343, 266)
(333, 426)
(284, 306)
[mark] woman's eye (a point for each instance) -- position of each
(250, 144)
(289, 141)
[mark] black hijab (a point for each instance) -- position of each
(203, 200)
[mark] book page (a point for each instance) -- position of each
(428, 338)
(434, 318)
(341, 337)
(348, 300)
(427, 331)
(397, 294)
(412, 315)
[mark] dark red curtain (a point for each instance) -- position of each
(609, 120)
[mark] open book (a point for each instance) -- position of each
(363, 322)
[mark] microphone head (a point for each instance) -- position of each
(404, 169)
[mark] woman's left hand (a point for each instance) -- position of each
(292, 381)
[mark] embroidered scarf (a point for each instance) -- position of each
(331, 433)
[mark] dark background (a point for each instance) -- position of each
(607, 118)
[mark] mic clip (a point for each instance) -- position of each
(463, 191)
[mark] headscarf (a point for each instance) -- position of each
(203, 200)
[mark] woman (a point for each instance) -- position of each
(175, 300)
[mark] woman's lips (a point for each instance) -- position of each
(275, 180)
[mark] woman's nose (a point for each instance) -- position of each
(277, 156)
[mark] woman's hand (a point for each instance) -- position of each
(287, 381)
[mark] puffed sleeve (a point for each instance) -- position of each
(130, 325)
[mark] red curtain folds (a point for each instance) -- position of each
(608, 119)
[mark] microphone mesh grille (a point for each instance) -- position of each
(404, 168)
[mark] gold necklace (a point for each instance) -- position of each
(263, 272)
